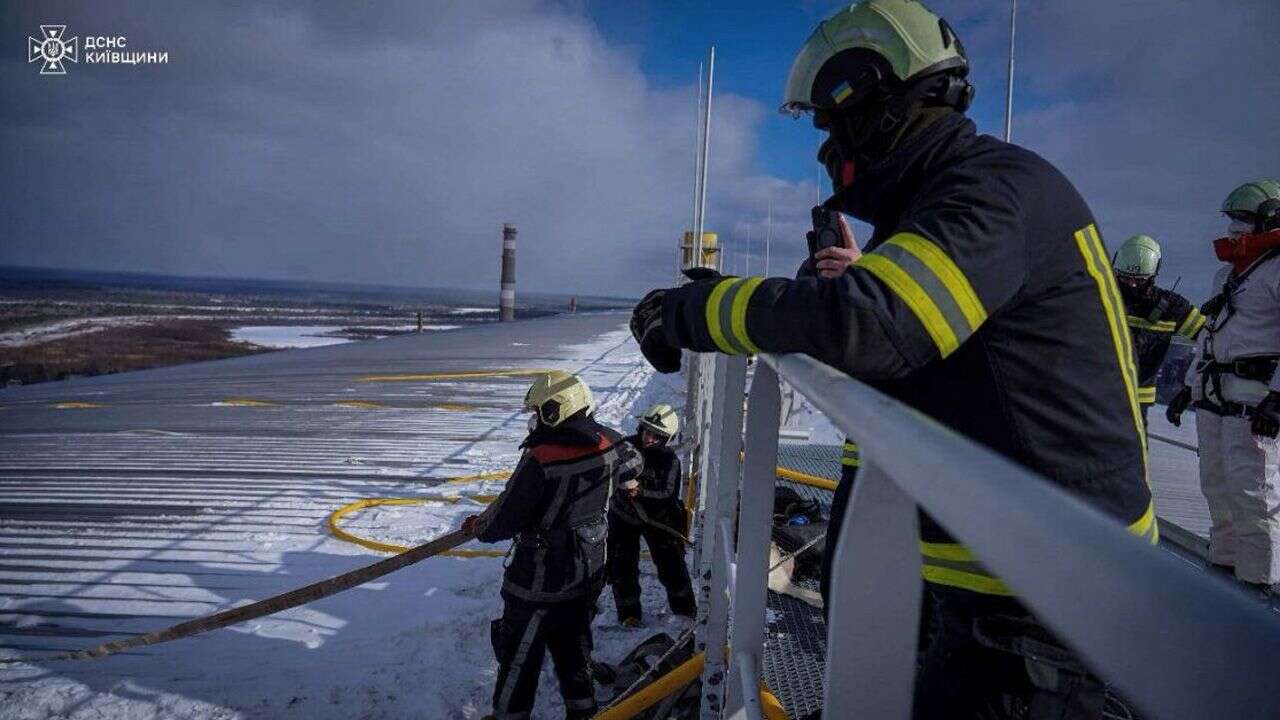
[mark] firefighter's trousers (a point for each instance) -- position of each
(624, 568)
(1240, 478)
(525, 633)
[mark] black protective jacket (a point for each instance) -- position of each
(985, 299)
(659, 496)
(554, 508)
(1153, 320)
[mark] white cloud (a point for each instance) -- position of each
(296, 143)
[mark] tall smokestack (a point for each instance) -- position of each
(507, 298)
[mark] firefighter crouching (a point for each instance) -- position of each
(1235, 386)
(652, 511)
(554, 508)
(1153, 313)
(985, 283)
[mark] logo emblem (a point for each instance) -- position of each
(53, 49)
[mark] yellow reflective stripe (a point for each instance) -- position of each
(984, 584)
(713, 315)
(941, 264)
(739, 313)
(850, 456)
(1191, 326)
(915, 298)
(954, 565)
(944, 563)
(947, 551)
(1165, 326)
(1147, 526)
(1099, 267)
(1146, 395)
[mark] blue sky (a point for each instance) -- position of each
(755, 43)
(387, 142)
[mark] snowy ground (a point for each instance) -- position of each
(286, 336)
(305, 336)
(413, 645)
(62, 329)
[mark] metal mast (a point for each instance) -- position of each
(697, 175)
(700, 215)
(1008, 92)
(768, 237)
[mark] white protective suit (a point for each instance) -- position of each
(1240, 473)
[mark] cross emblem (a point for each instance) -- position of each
(53, 49)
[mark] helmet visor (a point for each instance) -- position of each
(797, 99)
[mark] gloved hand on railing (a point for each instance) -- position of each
(469, 524)
(1266, 417)
(646, 328)
(1177, 406)
(646, 324)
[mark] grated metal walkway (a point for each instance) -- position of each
(795, 646)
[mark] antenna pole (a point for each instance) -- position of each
(704, 152)
(1008, 91)
(697, 181)
(768, 237)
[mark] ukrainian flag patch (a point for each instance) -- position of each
(842, 92)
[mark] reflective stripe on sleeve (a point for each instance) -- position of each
(1164, 326)
(1191, 326)
(931, 285)
(1147, 395)
(726, 315)
(850, 457)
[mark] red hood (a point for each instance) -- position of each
(1244, 250)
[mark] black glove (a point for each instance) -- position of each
(702, 273)
(1177, 406)
(646, 328)
(1266, 417)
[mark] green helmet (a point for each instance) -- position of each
(558, 396)
(661, 420)
(1139, 255)
(912, 41)
(1246, 198)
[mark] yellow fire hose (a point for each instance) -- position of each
(645, 697)
(337, 531)
(685, 673)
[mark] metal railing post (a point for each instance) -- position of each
(1178, 643)
(711, 375)
(755, 520)
(721, 484)
(874, 615)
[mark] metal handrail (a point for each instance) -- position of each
(1175, 442)
(1177, 642)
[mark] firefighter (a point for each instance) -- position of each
(1154, 314)
(654, 512)
(1236, 391)
(984, 298)
(831, 262)
(553, 508)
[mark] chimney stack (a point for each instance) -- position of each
(507, 298)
